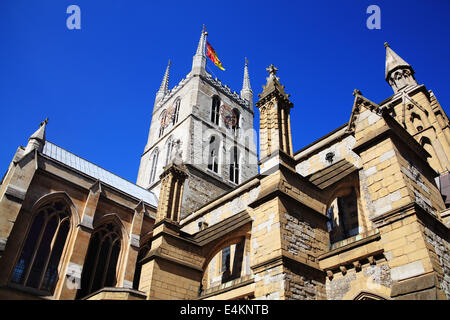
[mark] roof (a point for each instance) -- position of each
(332, 174)
(393, 62)
(68, 158)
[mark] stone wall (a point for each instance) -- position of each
(303, 285)
(199, 189)
(375, 279)
(442, 255)
(223, 210)
(341, 149)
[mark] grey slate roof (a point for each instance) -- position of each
(68, 158)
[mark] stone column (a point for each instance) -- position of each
(68, 286)
(132, 252)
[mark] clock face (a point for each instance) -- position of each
(228, 115)
(167, 116)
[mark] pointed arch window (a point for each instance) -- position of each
(212, 161)
(215, 110)
(234, 165)
(162, 123)
(154, 163)
(236, 120)
(170, 145)
(176, 111)
(99, 269)
(38, 263)
(145, 248)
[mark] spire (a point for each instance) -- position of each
(164, 88)
(398, 72)
(199, 60)
(37, 139)
(202, 42)
(246, 92)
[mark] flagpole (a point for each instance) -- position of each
(211, 71)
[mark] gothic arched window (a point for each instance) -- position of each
(215, 110)
(100, 266)
(38, 264)
(176, 112)
(234, 165)
(162, 123)
(145, 248)
(213, 163)
(154, 163)
(235, 126)
(170, 144)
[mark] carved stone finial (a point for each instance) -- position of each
(357, 92)
(272, 70)
(43, 122)
(204, 30)
(386, 45)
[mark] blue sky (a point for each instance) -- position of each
(97, 85)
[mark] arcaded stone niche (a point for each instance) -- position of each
(343, 215)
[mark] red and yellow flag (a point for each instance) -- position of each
(213, 56)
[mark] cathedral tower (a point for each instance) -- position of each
(210, 126)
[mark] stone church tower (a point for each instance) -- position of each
(209, 126)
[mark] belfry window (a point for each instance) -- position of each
(215, 110)
(38, 263)
(235, 122)
(212, 161)
(176, 111)
(234, 165)
(170, 145)
(99, 269)
(154, 162)
(162, 123)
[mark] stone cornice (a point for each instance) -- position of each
(157, 254)
(409, 209)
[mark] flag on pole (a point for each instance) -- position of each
(213, 56)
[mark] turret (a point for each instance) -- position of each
(164, 88)
(399, 74)
(199, 60)
(246, 92)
